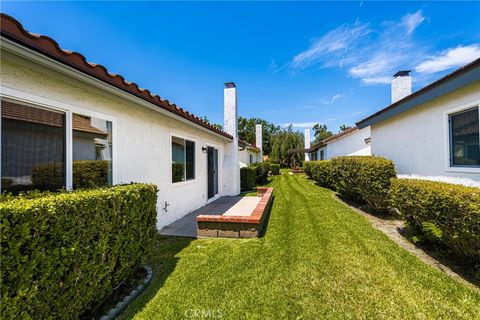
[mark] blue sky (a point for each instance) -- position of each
(300, 63)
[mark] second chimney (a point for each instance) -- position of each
(307, 144)
(259, 140)
(401, 85)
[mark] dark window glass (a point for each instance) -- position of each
(33, 148)
(322, 154)
(190, 159)
(464, 139)
(92, 152)
(178, 159)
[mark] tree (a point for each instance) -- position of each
(283, 141)
(321, 132)
(246, 132)
(344, 127)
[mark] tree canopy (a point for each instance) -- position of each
(321, 132)
(284, 140)
(246, 132)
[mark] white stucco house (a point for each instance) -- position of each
(351, 142)
(57, 110)
(433, 132)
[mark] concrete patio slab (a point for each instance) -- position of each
(187, 226)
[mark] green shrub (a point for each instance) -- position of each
(275, 169)
(364, 178)
(263, 169)
(446, 212)
(248, 178)
(322, 172)
(308, 168)
(64, 252)
(89, 174)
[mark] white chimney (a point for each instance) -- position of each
(401, 85)
(259, 140)
(231, 166)
(307, 144)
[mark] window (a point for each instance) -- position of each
(183, 160)
(33, 148)
(322, 155)
(92, 152)
(464, 138)
(251, 158)
(313, 156)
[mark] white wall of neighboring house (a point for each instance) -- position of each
(352, 144)
(417, 140)
(141, 136)
(245, 156)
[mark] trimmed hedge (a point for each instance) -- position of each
(248, 178)
(263, 168)
(451, 211)
(364, 178)
(275, 169)
(322, 172)
(308, 168)
(63, 253)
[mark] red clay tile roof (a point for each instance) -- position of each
(13, 30)
(324, 142)
(248, 145)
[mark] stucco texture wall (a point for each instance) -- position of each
(142, 141)
(417, 140)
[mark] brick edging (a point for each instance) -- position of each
(254, 218)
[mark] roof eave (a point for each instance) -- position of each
(449, 83)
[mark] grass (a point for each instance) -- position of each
(318, 259)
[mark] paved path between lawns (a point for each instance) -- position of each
(231, 206)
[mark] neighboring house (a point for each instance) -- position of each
(57, 108)
(247, 154)
(434, 131)
(350, 142)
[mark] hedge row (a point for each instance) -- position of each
(263, 169)
(275, 169)
(322, 172)
(450, 213)
(62, 253)
(364, 178)
(248, 178)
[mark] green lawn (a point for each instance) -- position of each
(318, 259)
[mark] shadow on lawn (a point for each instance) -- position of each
(267, 219)
(163, 261)
(442, 255)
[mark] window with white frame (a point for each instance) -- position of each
(34, 149)
(464, 138)
(322, 155)
(183, 160)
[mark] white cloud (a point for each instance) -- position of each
(300, 124)
(372, 55)
(412, 20)
(450, 58)
(335, 97)
(330, 45)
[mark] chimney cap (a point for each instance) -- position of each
(230, 85)
(402, 73)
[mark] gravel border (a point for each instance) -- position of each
(115, 311)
